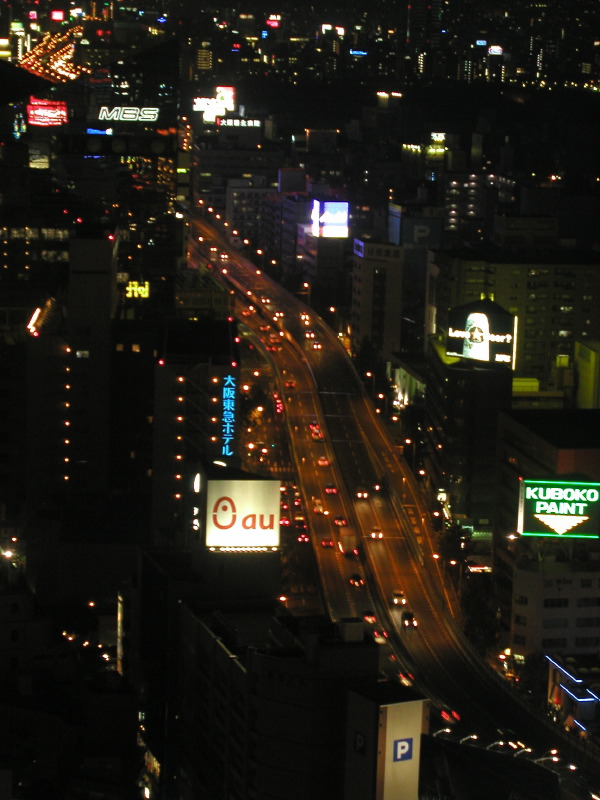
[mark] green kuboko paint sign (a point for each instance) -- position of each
(568, 509)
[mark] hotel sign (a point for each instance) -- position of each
(228, 420)
(567, 509)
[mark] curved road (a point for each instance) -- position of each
(359, 453)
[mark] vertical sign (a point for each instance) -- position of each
(228, 417)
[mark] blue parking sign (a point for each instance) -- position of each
(403, 749)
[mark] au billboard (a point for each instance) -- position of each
(566, 509)
(242, 514)
(483, 331)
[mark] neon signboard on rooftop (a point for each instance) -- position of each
(213, 107)
(482, 331)
(557, 508)
(329, 219)
(45, 113)
(243, 514)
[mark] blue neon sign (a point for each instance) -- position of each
(228, 417)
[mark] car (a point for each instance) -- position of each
(318, 507)
(322, 461)
(303, 538)
(317, 346)
(330, 489)
(263, 327)
(362, 493)
(376, 532)
(398, 598)
(313, 425)
(380, 637)
(406, 678)
(370, 617)
(449, 715)
(284, 521)
(309, 334)
(341, 522)
(290, 384)
(356, 580)
(409, 620)
(327, 542)
(316, 436)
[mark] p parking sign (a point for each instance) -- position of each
(403, 749)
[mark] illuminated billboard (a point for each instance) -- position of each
(329, 219)
(213, 107)
(230, 122)
(483, 331)
(128, 114)
(242, 514)
(559, 508)
(137, 289)
(45, 113)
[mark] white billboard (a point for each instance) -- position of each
(242, 514)
(213, 107)
(400, 728)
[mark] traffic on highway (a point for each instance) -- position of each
(370, 527)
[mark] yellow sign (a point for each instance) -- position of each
(136, 289)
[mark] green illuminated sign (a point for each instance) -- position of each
(569, 509)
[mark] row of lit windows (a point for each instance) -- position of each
(34, 233)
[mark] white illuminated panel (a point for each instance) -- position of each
(400, 731)
(243, 514)
(213, 107)
(330, 219)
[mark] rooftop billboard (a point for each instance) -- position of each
(559, 508)
(46, 113)
(482, 331)
(330, 219)
(242, 514)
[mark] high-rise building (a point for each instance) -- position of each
(552, 293)
(532, 573)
